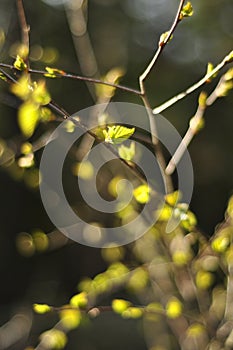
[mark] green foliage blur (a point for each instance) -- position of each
(41, 267)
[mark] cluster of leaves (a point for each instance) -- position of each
(180, 280)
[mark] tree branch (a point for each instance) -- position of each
(227, 59)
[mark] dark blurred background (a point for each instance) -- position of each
(122, 33)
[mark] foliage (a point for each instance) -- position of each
(178, 282)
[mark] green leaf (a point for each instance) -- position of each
(117, 134)
(127, 153)
(19, 63)
(70, 318)
(22, 88)
(163, 38)
(132, 312)
(173, 308)
(142, 194)
(54, 72)
(28, 118)
(41, 308)
(187, 11)
(120, 305)
(79, 300)
(40, 94)
(3, 77)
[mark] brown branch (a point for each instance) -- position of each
(227, 59)
(78, 77)
(161, 46)
(154, 135)
(194, 125)
(24, 27)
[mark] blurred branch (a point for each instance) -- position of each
(142, 77)
(24, 28)
(227, 59)
(195, 124)
(82, 44)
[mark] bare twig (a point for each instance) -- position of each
(142, 77)
(161, 46)
(24, 27)
(78, 77)
(194, 125)
(227, 59)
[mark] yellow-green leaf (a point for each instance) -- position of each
(28, 118)
(204, 279)
(22, 88)
(127, 153)
(174, 308)
(79, 300)
(53, 72)
(41, 308)
(163, 38)
(132, 312)
(187, 11)
(70, 318)
(120, 305)
(19, 63)
(117, 134)
(142, 194)
(40, 94)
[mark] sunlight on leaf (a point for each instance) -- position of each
(127, 153)
(117, 134)
(142, 194)
(41, 308)
(28, 118)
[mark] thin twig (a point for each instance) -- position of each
(161, 46)
(78, 77)
(194, 87)
(142, 77)
(193, 128)
(24, 27)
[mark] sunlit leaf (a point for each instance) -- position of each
(204, 279)
(127, 153)
(163, 38)
(117, 134)
(70, 318)
(40, 240)
(174, 308)
(120, 305)
(28, 118)
(19, 63)
(187, 11)
(132, 312)
(53, 72)
(41, 308)
(22, 88)
(142, 194)
(113, 76)
(40, 94)
(79, 300)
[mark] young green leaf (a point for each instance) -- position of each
(187, 11)
(142, 194)
(28, 118)
(41, 308)
(117, 134)
(127, 153)
(19, 63)
(53, 72)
